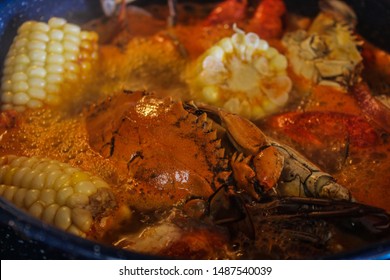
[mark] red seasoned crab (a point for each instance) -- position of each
(169, 153)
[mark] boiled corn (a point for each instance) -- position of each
(41, 58)
(55, 192)
(242, 74)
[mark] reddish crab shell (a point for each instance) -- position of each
(167, 154)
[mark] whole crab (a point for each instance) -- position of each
(217, 168)
(172, 152)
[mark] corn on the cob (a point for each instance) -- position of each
(55, 192)
(41, 59)
(242, 74)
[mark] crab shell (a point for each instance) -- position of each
(327, 54)
(166, 154)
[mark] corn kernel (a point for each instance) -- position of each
(70, 56)
(20, 42)
(36, 45)
(8, 71)
(19, 196)
(26, 27)
(20, 98)
(54, 58)
(63, 218)
(72, 38)
(19, 174)
(38, 83)
(47, 196)
(82, 218)
(7, 97)
(9, 61)
(85, 187)
(70, 47)
(56, 22)
(6, 85)
(72, 28)
(55, 47)
(55, 69)
(34, 104)
(10, 192)
(39, 36)
(49, 213)
(40, 26)
(2, 189)
(56, 35)
(18, 77)
(53, 80)
(31, 196)
(36, 209)
(37, 55)
(36, 72)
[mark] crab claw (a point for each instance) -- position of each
(243, 134)
(274, 166)
(267, 167)
(258, 165)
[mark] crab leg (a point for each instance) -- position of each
(302, 178)
(374, 220)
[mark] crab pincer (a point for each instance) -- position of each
(263, 167)
(259, 165)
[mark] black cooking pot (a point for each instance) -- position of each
(24, 237)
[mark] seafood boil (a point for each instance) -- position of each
(231, 130)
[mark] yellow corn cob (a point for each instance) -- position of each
(55, 192)
(41, 59)
(242, 74)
